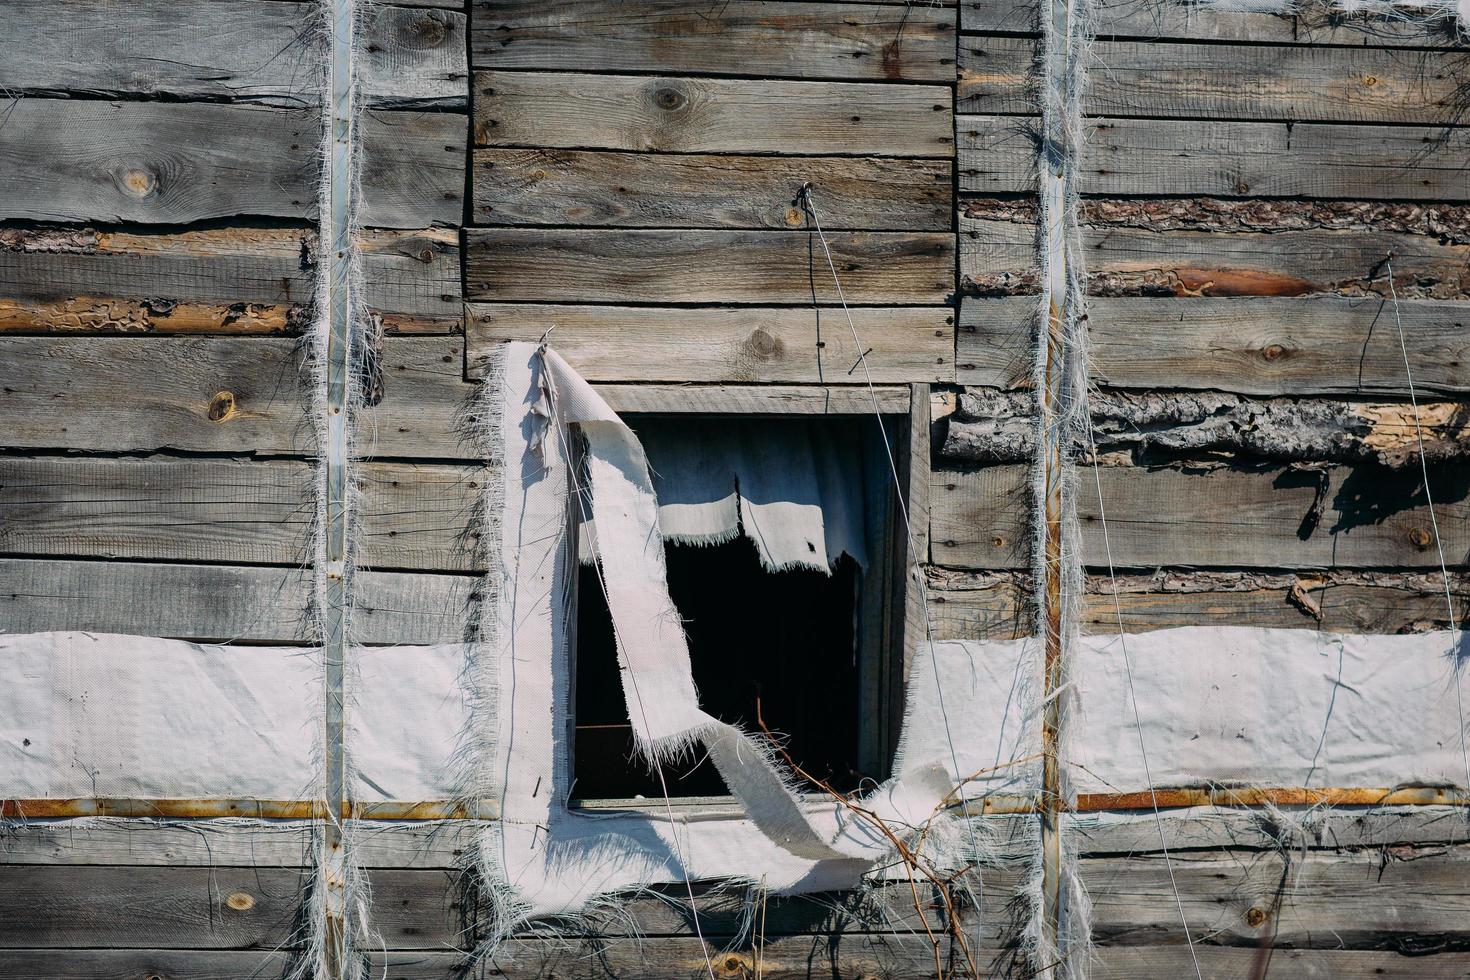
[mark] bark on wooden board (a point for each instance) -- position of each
(1225, 81)
(789, 39)
(1339, 517)
(1315, 23)
(220, 603)
(225, 281)
(657, 266)
(1230, 159)
(999, 257)
(737, 345)
(176, 163)
(228, 50)
(987, 606)
(642, 190)
(224, 395)
(229, 512)
(702, 115)
(1251, 345)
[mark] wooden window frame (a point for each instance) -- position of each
(892, 622)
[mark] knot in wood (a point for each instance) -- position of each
(1254, 917)
(670, 99)
(139, 183)
(241, 901)
(1420, 538)
(735, 966)
(221, 406)
(794, 216)
(1273, 352)
(431, 29)
(763, 345)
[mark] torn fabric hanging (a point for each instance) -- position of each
(804, 495)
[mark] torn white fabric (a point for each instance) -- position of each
(1246, 706)
(99, 715)
(799, 490)
(547, 859)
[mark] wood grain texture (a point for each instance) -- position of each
(260, 51)
(1226, 81)
(1314, 23)
(1215, 263)
(221, 603)
(229, 512)
(809, 399)
(657, 266)
(221, 395)
(701, 115)
(1228, 159)
(1252, 345)
(176, 163)
(1001, 610)
(1223, 963)
(788, 39)
(225, 281)
(725, 345)
(1239, 518)
(641, 190)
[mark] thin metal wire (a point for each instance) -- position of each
(1433, 521)
(580, 492)
(1102, 514)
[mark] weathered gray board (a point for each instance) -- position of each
(1251, 345)
(1226, 81)
(1229, 159)
(864, 42)
(1233, 517)
(230, 280)
(176, 163)
(263, 51)
(646, 190)
(702, 115)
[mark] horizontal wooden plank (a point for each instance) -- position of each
(175, 163)
(809, 399)
(412, 516)
(1257, 518)
(1325, 901)
(988, 607)
(1223, 963)
(1231, 159)
(740, 37)
(1314, 22)
(235, 50)
(642, 190)
(1000, 256)
(658, 266)
(741, 345)
(1252, 345)
(220, 603)
(223, 395)
(701, 115)
(230, 280)
(1226, 81)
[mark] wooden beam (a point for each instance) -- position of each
(999, 256)
(809, 399)
(1229, 159)
(701, 115)
(413, 516)
(1251, 345)
(790, 39)
(222, 603)
(217, 281)
(221, 161)
(1227, 81)
(1270, 517)
(644, 190)
(655, 266)
(736, 345)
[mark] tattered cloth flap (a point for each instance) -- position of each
(805, 492)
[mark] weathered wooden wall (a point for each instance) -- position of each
(629, 174)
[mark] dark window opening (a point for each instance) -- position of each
(786, 638)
